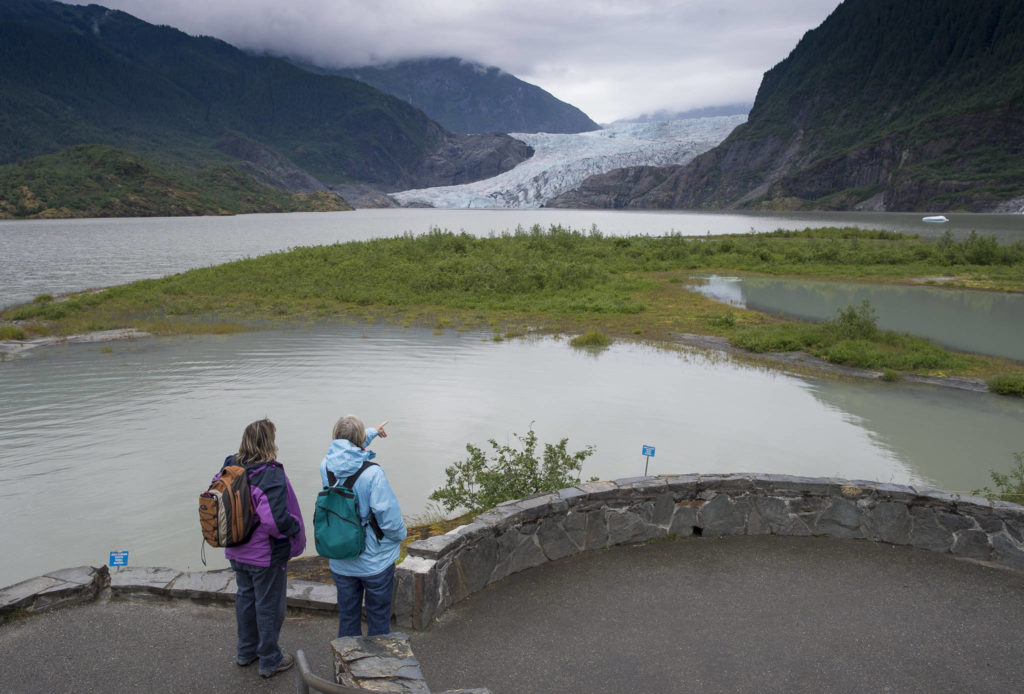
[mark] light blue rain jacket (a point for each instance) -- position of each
(373, 492)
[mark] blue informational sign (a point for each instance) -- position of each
(119, 558)
(648, 450)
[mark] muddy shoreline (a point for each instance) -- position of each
(801, 361)
(787, 361)
(14, 347)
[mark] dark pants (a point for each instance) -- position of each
(259, 611)
(377, 590)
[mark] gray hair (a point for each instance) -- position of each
(351, 429)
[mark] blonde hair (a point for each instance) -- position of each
(351, 429)
(258, 443)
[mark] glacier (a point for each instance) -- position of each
(561, 162)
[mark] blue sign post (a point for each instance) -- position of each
(648, 451)
(119, 558)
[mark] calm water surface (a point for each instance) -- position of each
(54, 257)
(107, 447)
(974, 321)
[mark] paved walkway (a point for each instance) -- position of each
(130, 646)
(735, 614)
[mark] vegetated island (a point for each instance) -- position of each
(561, 281)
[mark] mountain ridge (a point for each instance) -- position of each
(469, 97)
(73, 75)
(892, 105)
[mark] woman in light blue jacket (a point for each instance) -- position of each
(371, 575)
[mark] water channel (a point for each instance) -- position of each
(973, 321)
(107, 446)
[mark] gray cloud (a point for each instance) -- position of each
(611, 58)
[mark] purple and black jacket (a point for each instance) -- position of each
(280, 533)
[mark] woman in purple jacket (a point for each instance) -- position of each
(261, 563)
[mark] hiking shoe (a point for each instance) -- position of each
(286, 663)
(244, 663)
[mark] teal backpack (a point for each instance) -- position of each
(337, 527)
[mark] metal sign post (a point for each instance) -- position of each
(648, 451)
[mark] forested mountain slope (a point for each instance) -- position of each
(467, 97)
(85, 74)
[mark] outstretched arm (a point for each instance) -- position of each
(373, 433)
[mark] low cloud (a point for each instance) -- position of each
(612, 59)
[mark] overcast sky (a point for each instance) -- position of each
(611, 58)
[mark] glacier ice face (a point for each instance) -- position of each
(562, 162)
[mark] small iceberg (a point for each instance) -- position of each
(938, 218)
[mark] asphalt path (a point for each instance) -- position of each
(737, 614)
(733, 614)
(159, 646)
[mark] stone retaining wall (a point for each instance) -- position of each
(83, 584)
(440, 571)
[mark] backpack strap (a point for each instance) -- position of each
(352, 479)
(332, 480)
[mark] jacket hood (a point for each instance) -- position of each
(344, 458)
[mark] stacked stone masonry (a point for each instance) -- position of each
(382, 664)
(440, 571)
(84, 583)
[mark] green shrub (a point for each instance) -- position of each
(856, 322)
(890, 375)
(1007, 385)
(591, 339)
(1009, 487)
(478, 483)
(11, 332)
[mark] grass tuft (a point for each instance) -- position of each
(591, 339)
(11, 332)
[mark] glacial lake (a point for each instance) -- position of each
(968, 320)
(59, 256)
(106, 447)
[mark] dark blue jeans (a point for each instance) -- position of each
(377, 592)
(259, 611)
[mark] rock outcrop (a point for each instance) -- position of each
(266, 166)
(460, 159)
(615, 189)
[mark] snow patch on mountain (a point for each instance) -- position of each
(561, 162)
